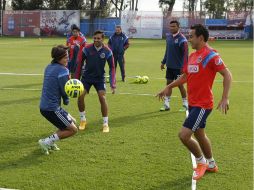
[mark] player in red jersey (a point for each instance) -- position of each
(199, 74)
(76, 43)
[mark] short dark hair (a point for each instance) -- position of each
(58, 52)
(75, 27)
(175, 21)
(119, 26)
(99, 32)
(200, 30)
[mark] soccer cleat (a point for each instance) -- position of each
(44, 147)
(165, 108)
(200, 171)
(105, 128)
(82, 125)
(54, 147)
(183, 109)
(214, 169)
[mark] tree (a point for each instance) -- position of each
(167, 5)
(216, 8)
(119, 5)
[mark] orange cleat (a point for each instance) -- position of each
(200, 171)
(214, 169)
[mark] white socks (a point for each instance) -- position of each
(185, 102)
(211, 162)
(51, 139)
(82, 116)
(201, 160)
(105, 120)
(167, 101)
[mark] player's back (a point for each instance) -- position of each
(51, 91)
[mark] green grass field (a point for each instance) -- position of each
(142, 150)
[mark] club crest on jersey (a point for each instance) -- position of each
(176, 41)
(218, 61)
(193, 68)
(199, 60)
(102, 55)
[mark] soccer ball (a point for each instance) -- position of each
(137, 79)
(74, 88)
(145, 79)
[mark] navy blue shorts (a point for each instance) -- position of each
(97, 85)
(58, 118)
(197, 118)
(173, 74)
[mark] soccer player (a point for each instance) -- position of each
(75, 43)
(96, 55)
(199, 74)
(176, 55)
(69, 34)
(55, 76)
(119, 43)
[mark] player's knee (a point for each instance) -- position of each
(183, 137)
(73, 129)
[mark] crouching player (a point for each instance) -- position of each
(55, 76)
(199, 74)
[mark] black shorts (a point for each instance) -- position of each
(197, 118)
(173, 74)
(58, 118)
(97, 85)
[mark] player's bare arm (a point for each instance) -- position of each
(223, 105)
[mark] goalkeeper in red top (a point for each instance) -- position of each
(199, 74)
(95, 56)
(75, 43)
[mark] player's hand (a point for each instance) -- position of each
(113, 90)
(66, 101)
(223, 106)
(78, 45)
(161, 95)
(162, 66)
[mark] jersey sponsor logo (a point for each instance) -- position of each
(102, 55)
(218, 61)
(193, 68)
(199, 59)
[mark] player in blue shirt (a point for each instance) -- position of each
(55, 76)
(95, 56)
(119, 43)
(176, 55)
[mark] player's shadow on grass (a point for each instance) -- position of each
(118, 122)
(19, 101)
(34, 158)
(24, 85)
(14, 148)
(129, 119)
(183, 183)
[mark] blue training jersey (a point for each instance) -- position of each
(95, 61)
(118, 43)
(176, 54)
(55, 77)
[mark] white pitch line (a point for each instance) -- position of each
(37, 74)
(194, 165)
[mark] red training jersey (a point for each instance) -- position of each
(73, 41)
(201, 70)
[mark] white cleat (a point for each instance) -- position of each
(44, 147)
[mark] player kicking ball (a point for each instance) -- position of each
(55, 76)
(199, 74)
